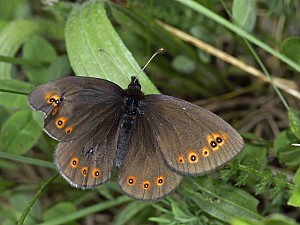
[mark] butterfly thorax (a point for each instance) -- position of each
(132, 101)
(133, 97)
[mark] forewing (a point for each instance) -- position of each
(143, 174)
(75, 105)
(89, 160)
(192, 140)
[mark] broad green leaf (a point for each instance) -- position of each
(15, 101)
(284, 140)
(62, 208)
(286, 153)
(178, 210)
(60, 67)
(14, 34)
(19, 201)
(279, 219)
(39, 117)
(221, 200)
(93, 30)
(160, 220)
(295, 197)
(244, 13)
(257, 139)
(19, 133)
(255, 156)
(12, 9)
(203, 34)
(88, 210)
(291, 48)
(3, 115)
(15, 86)
(3, 23)
(239, 221)
(290, 156)
(13, 93)
(184, 64)
(294, 123)
(129, 212)
(38, 49)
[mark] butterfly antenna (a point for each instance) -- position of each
(298, 145)
(157, 52)
(113, 61)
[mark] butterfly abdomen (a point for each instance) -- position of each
(132, 99)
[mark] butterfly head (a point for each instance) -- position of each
(134, 86)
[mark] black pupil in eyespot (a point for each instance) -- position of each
(74, 162)
(59, 122)
(213, 144)
(219, 140)
(193, 158)
(145, 185)
(130, 181)
(160, 181)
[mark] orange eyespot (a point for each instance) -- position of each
(160, 181)
(180, 159)
(220, 138)
(222, 135)
(205, 152)
(54, 111)
(51, 98)
(84, 171)
(212, 143)
(193, 157)
(60, 122)
(131, 180)
(146, 185)
(96, 173)
(216, 140)
(74, 162)
(69, 129)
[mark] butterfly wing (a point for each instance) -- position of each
(84, 114)
(192, 140)
(143, 174)
(89, 160)
(75, 105)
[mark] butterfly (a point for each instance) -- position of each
(154, 140)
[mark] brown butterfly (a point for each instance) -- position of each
(154, 139)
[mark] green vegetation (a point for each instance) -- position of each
(239, 59)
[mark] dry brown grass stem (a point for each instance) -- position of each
(287, 86)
